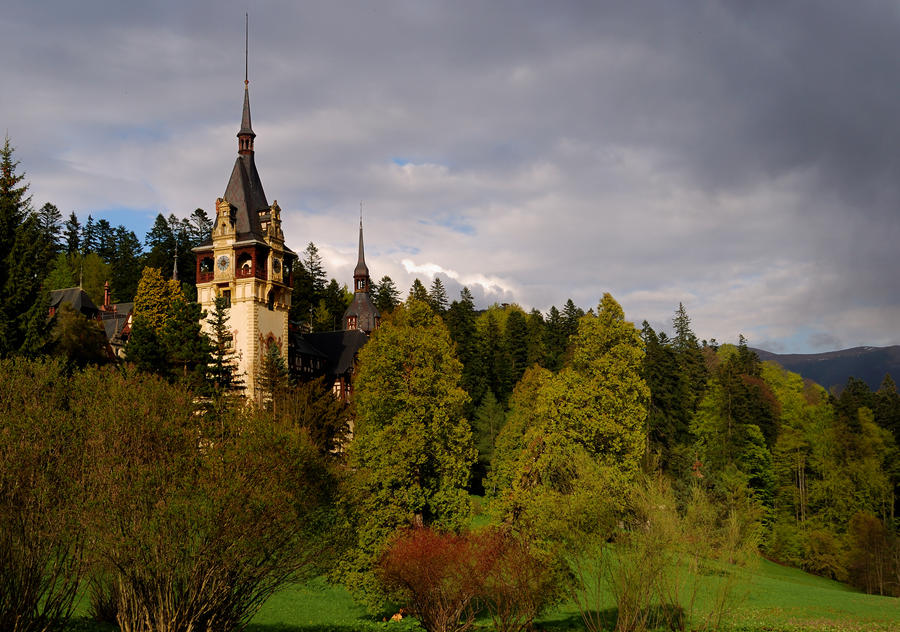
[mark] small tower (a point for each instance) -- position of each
(246, 262)
(362, 313)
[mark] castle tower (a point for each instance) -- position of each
(362, 313)
(246, 261)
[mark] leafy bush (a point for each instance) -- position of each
(202, 515)
(41, 471)
(435, 576)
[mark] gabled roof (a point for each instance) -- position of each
(245, 193)
(77, 298)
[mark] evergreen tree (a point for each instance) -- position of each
(669, 413)
(412, 450)
(489, 418)
(50, 225)
(460, 320)
(887, 407)
(200, 227)
(385, 295)
(312, 263)
(106, 240)
(89, 236)
(187, 348)
(309, 289)
(125, 265)
(15, 206)
(272, 381)
(691, 363)
(570, 317)
(515, 341)
(437, 296)
(72, 234)
(556, 340)
(418, 292)
(337, 299)
(160, 243)
(223, 367)
(495, 362)
(536, 339)
(144, 348)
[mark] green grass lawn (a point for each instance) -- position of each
(768, 597)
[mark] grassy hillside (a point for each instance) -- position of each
(769, 597)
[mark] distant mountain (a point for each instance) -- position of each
(869, 364)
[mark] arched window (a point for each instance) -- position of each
(270, 302)
(245, 265)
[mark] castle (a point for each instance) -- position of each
(246, 261)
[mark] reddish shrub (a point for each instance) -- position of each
(435, 576)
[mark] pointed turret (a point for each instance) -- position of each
(361, 271)
(245, 134)
(362, 313)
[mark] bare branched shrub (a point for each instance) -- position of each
(518, 581)
(668, 567)
(41, 540)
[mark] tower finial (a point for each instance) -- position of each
(246, 50)
(360, 214)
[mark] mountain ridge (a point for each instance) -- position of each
(831, 369)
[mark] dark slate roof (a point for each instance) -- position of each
(245, 193)
(365, 311)
(246, 128)
(77, 298)
(339, 347)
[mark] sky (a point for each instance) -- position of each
(740, 158)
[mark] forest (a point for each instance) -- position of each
(575, 437)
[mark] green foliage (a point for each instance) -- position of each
(223, 365)
(488, 420)
(88, 271)
(41, 495)
(437, 296)
(412, 449)
(574, 440)
(418, 292)
(77, 339)
(385, 295)
(253, 498)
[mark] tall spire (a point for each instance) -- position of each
(361, 272)
(246, 135)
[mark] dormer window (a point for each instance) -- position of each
(351, 322)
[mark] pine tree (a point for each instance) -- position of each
(72, 234)
(160, 243)
(460, 320)
(223, 367)
(515, 341)
(125, 265)
(272, 381)
(200, 227)
(418, 292)
(556, 339)
(437, 296)
(187, 348)
(312, 263)
(89, 236)
(106, 240)
(50, 224)
(386, 295)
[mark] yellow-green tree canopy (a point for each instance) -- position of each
(412, 450)
(155, 298)
(577, 434)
